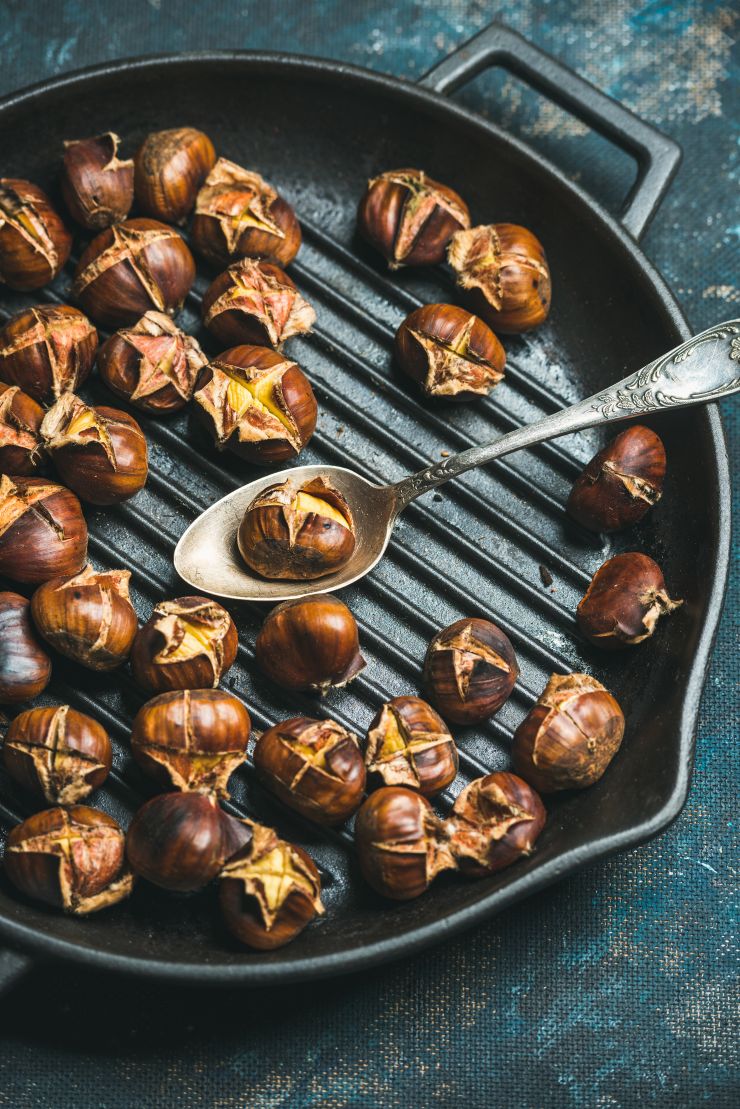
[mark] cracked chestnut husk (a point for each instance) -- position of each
(570, 736)
(43, 533)
(449, 352)
(255, 302)
(88, 617)
(188, 643)
(410, 218)
(97, 185)
(409, 744)
(402, 845)
(34, 243)
(504, 271)
(191, 739)
(312, 766)
(495, 821)
(257, 404)
(470, 670)
(626, 598)
(171, 166)
(154, 364)
(238, 215)
(180, 841)
(310, 643)
(57, 753)
(25, 667)
(299, 532)
(269, 891)
(47, 350)
(21, 449)
(620, 483)
(70, 858)
(100, 453)
(131, 268)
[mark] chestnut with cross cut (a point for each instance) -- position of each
(409, 744)
(188, 643)
(57, 753)
(47, 350)
(21, 449)
(43, 533)
(449, 352)
(255, 302)
(495, 821)
(470, 670)
(34, 243)
(626, 598)
(621, 483)
(97, 185)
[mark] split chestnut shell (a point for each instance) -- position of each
(470, 670)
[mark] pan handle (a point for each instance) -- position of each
(657, 156)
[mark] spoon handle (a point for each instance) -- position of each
(705, 368)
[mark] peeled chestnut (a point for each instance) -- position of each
(269, 891)
(449, 352)
(238, 215)
(401, 844)
(188, 643)
(25, 667)
(258, 404)
(314, 767)
(21, 450)
(570, 736)
(170, 168)
(504, 270)
(470, 669)
(297, 531)
(626, 598)
(180, 841)
(100, 453)
(494, 821)
(154, 364)
(34, 243)
(621, 482)
(255, 302)
(191, 739)
(70, 858)
(130, 268)
(97, 186)
(310, 643)
(409, 744)
(43, 533)
(87, 617)
(47, 350)
(57, 753)
(410, 218)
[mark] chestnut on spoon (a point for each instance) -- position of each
(706, 368)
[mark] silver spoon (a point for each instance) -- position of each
(705, 368)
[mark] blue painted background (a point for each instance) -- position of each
(618, 987)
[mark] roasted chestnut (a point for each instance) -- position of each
(297, 531)
(269, 891)
(504, 270)
(470, 669)
(43, 533)
(25, 667)
(57, 753)
(310, 643)
(100, 453)
(130, 268)
(410, 218)
(188, 643)
(314, 767)
(570, 736)
(191, 740)
(255, 302)
(21, 450)
(626, 598)
(170, 168)
(258, 404)
(409, 744)
(621, 482)
(239, 215)
(401, 844)
(153, 365)
(87, 617)
(34, 243)
(70, 858)
(449, 352)
(47, 350)
(494, 821)
(97, 185)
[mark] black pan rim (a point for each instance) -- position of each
(255, 973)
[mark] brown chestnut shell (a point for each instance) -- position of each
(25, 667)
(171, 166)
(626, 598)
(410, 218)
(255, 302)
(34, 243)
(43, 533)
(57, 753)
(97, 185)
(21, 450)
(47, 350)
(409, 744)
(310, 643)
(470, 670)
(449, 352)
(187, 643)
(494, 822)
(620, 483)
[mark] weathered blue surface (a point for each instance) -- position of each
(618, 987)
